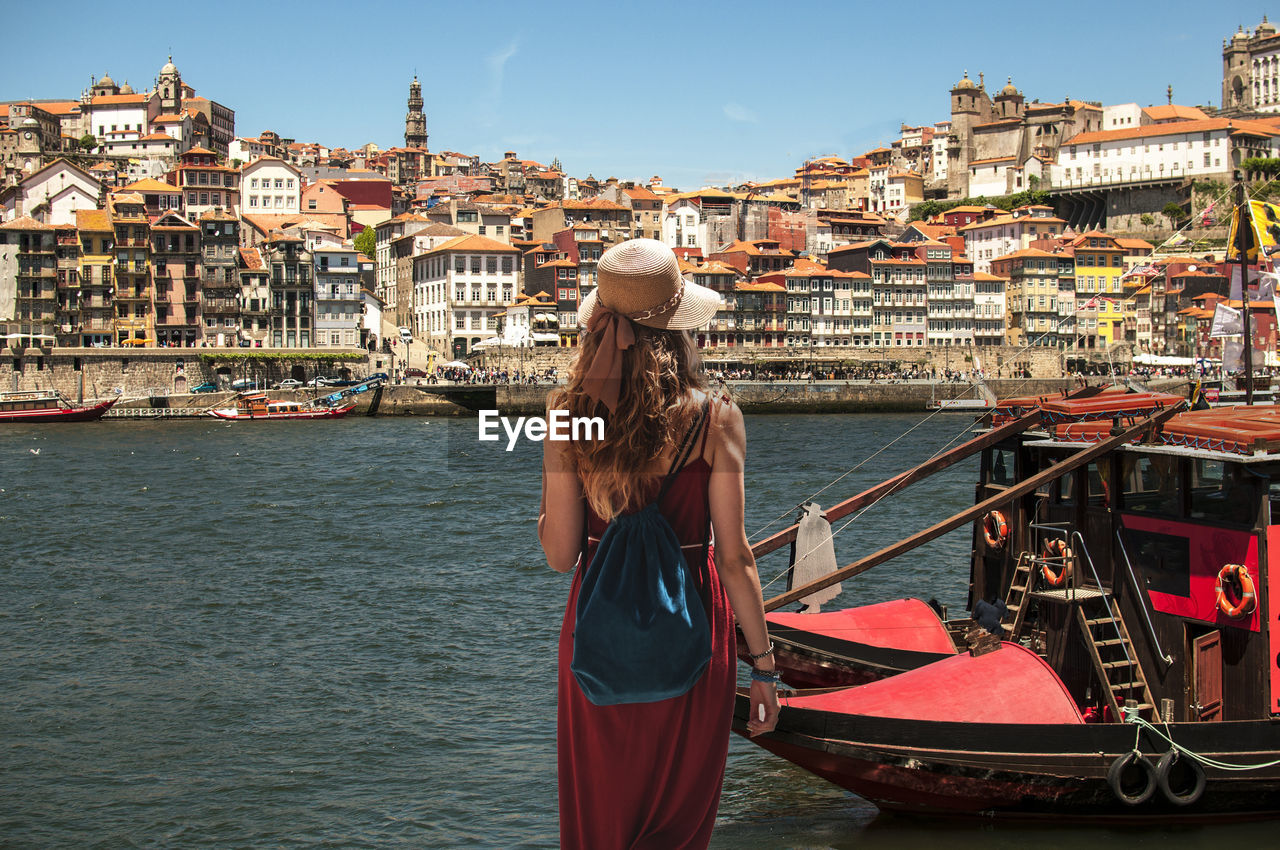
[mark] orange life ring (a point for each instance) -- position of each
(1056, 549)
(1248, 601)
(995, 529)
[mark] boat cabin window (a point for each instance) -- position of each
(1151, 484)
(1002, 467)
(1066, 488)
(1099, 489)
(1222, 491)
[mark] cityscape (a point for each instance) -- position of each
(142, 218)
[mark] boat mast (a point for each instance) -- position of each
(1244, 238)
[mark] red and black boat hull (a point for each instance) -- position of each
(1020, 770)
(65, 414)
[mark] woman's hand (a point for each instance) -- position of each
(763, 694)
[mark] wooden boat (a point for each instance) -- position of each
(49, 406)
(1136, 671)
(258, 406)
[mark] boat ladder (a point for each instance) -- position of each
(1115, 660)
(1016, 601)
(1026, 572)
(1106, 637)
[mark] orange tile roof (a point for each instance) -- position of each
(993, 159)
(759, 287)
(474, 243)
(1178, 128)
(1135, 243)
(148, 184)
(1025, 253)
(1172, 111)
(252, 259)
(26, 222)
(93, 220)
(983, 277)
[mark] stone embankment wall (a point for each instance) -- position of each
(100, 372)
(820, 396)
(995, 361)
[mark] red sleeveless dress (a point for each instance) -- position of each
(648, 775)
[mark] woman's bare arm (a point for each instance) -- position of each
(560, 516)
(734, 561)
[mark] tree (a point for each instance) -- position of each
(366, 242)
(1147, 219)
(87, 142)
(1173, 212)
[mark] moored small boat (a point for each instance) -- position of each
(258, 406)
(1126, 543)
(49, 406)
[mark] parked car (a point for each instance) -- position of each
(415, 373)
(206, 387)
(322, 381)
(247, 384)
(289, 384)
(378, 376)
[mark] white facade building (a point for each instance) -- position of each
(1004, 234)
(269, 185)
(683, 225)
(989, 309)
(940, 131)
(459, 287)
(120, 117)
(1184, 149)
(52, 195)
(338, 301)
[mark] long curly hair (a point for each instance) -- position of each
(658, 373)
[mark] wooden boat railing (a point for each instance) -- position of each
(997, 501)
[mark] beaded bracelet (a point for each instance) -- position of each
(772, 677)
(759, 655)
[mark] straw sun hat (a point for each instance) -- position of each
(640, 279)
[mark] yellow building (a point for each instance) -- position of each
(1101, 311)
(92, 311)
(134, 294)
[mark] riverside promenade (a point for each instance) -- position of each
(464, 400)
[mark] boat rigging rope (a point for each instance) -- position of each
(860, 464)
(1131, 716)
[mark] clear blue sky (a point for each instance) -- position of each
(697, 92)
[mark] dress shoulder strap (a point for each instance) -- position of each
(682, 454)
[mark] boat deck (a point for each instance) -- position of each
(1064, 594)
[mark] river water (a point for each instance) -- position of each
(343, 634)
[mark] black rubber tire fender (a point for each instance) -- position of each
(1120, 770)
(1164, 770)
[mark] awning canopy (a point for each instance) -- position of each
(1145, 359)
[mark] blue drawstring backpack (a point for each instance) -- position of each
(642, 633)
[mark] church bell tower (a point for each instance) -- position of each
(415, 123)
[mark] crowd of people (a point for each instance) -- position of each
(460, 375)
(862, 374)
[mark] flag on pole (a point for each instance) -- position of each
(1267, 284)
(1264, 234)
(1226, 321)
(1232, 355)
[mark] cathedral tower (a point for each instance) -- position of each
(415, 123)
(169, 86)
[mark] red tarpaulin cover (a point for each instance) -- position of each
(1009, 685)
(900, 624)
